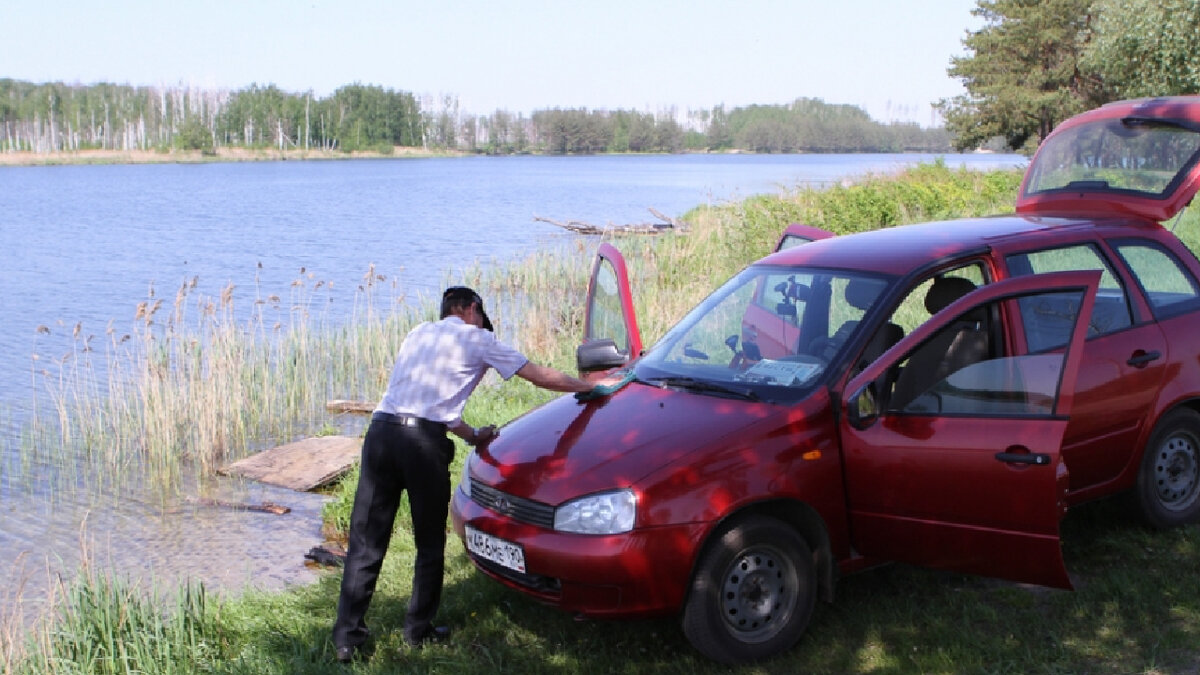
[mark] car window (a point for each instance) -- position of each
(1168, 286)
(771, 330)
(607, 318)
(965, 368)
(912, 312)
(1044, 322)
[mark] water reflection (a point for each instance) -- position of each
(136, 533)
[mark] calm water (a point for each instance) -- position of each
(84, 245)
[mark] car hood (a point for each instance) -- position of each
(566, 448)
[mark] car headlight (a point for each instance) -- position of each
(602, 513)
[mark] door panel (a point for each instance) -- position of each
(970, 480)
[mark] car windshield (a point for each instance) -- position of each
(769, 333)
(1131, 155)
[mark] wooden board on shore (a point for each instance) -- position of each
(304, 465)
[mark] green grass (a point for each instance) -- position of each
(1136, 608)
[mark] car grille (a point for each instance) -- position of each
(522, 510)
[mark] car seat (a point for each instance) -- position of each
(959, 344)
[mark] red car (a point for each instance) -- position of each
(938, 394)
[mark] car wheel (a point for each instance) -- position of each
(753, 592)
(1168, 487)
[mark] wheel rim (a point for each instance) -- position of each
(1175, 472)
(758, 593)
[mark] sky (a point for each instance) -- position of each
(888, 57)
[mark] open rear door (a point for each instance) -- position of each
(610, 330)
(966, 475)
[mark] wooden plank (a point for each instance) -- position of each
(304, 465)
(343, 406)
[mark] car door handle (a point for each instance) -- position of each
(1141, 359)
(1036, 458)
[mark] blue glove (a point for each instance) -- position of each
(604, 389)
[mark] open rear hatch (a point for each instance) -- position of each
(1136, 158)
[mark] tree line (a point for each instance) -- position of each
(57, 117)
(1034, 64)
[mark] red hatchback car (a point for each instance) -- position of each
(938, 394)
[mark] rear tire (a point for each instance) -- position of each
(753, 592)
(1168, 485)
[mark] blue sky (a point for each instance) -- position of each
(887, 56)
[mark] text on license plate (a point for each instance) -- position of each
(495, 549)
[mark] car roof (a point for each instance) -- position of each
(895, 251)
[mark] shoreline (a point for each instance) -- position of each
(86, 157)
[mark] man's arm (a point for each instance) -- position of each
(554, 380)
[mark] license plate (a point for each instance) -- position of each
(495, 549)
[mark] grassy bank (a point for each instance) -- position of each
(1136, 608)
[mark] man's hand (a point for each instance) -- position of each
(485, 434)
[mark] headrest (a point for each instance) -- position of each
(860, 293)
(944, 291)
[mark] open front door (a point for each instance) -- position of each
(798, 233)
(610, 331)
(953, 461)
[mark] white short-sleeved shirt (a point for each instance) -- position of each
(440, 364)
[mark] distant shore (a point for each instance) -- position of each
(26, 158)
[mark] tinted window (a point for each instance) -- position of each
(967, 369)
(1134, 156)
(1045, 324)
(1168, 286)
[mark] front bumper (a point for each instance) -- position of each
(644, 572)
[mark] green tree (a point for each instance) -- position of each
(1147, 47)
(1025, 73)
(194, 135)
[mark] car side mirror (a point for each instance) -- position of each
(785, 308)
(862, 408)
(601, 354)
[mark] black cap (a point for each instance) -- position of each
(460, 296)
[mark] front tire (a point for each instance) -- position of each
(1168, 485)
(753, 592)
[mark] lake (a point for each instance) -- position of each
(81, 246)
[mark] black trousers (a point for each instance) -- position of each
(396, 458)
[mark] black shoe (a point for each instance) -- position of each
(345, 654)
(433, 635)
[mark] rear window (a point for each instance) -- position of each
(1131, 155)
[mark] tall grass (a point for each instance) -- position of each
(204, 380)
(894, 620)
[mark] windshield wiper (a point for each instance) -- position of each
(693, 384)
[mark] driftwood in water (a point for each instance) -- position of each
(339, 405)
(668, 224)
(265, 507)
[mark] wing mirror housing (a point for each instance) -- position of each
(601, 354)
(862, 408)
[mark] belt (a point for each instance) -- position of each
(409, 421)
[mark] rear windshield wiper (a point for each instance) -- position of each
(693, 384)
